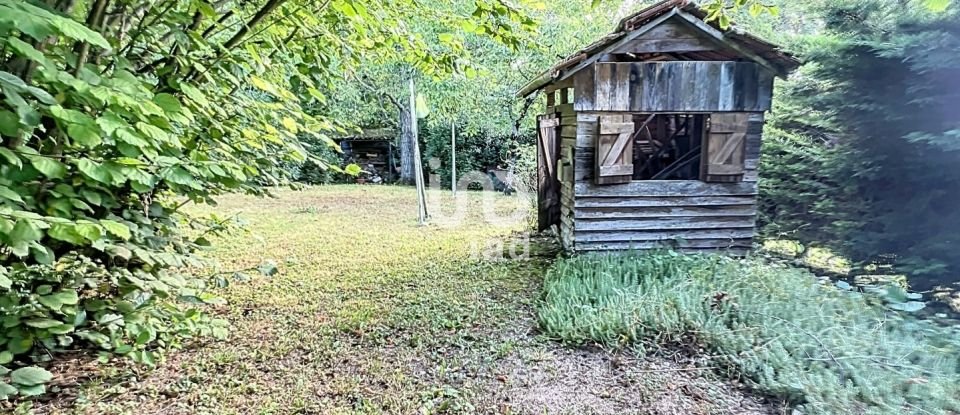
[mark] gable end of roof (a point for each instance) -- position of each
(746, 45)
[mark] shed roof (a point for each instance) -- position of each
(741, 44)
(374, 134)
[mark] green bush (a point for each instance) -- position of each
(877, 179)
(121, 311)
(821, 348)
(95, 165)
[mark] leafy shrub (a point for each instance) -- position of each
(823, 349)
(121, 311)
(878, 87)
(96, 164)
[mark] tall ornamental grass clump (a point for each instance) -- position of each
(821, 348)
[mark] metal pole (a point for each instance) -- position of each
(453, 157)
(418, 173)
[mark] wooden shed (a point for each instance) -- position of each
(651, 136)
(373, 151)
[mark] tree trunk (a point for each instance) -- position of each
(406, 145)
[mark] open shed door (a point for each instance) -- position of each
(548, 184)
(614, 163)
(725, 148)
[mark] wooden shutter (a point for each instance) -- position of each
(614, 162)
(548, 186)
(725, 148)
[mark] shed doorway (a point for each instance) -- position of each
(668, 146)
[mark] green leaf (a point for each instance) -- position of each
(9, 123)
(50, 302)
(9, 194)
(152, 132)
(92, 197)
(48, 166)
(119, 252)
(262, 85)
(28, 51)
(84, 134)
(19, 345)
(65, 232)
(77, 31)
(11, 157)
(352, 169)
(909, 306)
(90, 231)
(59, 299)
(446, 37)
(42, 254)
(12, 81)
(194, 94)
(724, 21)
(94, 170)
(25, 231)
(253, 53)
(169, 103)
(33, 390)
(41, 95)
(110, 122)
(5, 357)
(937, 6)
(43, 323)
(116, 228)
(6, 390)
(5, 282)
(61, 329)
(70, 116)
(290, 124)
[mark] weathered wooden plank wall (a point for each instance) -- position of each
(688, 215)
(568, 132)
(681, 86)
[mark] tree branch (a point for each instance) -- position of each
(261, 14)
(94, 20)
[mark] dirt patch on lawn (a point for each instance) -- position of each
(601, 383)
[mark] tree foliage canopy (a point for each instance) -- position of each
(879, 96)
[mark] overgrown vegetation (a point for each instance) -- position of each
(822, 348)
(111, 126)
(863, 154)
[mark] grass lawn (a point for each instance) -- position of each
(372, 314)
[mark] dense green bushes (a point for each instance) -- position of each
(866, 141)
(825, 349)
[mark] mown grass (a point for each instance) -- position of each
(822, 349)
(369, 313)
